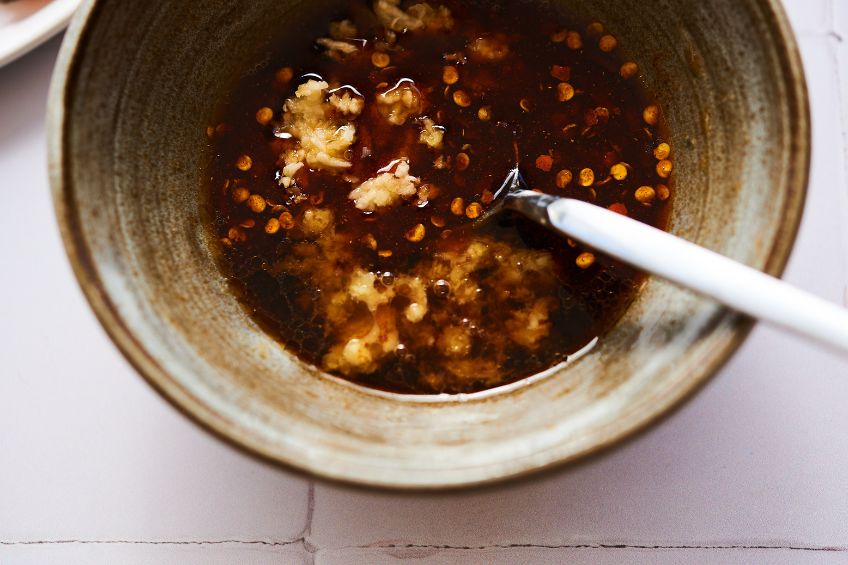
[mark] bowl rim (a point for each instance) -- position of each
(83, 263)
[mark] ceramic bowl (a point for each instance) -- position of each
(138, 83)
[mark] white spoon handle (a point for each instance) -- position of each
(742, 288)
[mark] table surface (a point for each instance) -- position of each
(96, 468)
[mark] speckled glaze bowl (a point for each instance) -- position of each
(136, 86)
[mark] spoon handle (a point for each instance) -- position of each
(740, 287)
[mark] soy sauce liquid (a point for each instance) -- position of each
(527, 119)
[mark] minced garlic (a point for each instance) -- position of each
(337, 49)
(400, 102)
(387, 188)
(417, 16)
(323, 138)
(432, 135)
(347, 104)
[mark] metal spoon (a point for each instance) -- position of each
(647, 248)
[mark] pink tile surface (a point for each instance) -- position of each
(148, 554)
(576, 556)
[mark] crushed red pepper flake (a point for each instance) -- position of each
(651, 115)
(240, 194)
(286, 221)
(457, 207)
(474, 211)
(565, 92)
(416, 233)
(256, 203)
(662, 151)
(628, 70)
(585, 260)
(264, 115)
(380, 60)
(544, 163)
(450, 75)
(608, 43)
(462, 99)
(573, 40)
(619, 208)
(244, 163)
(595, 29)
(272, 226)
(587, 177)
(564, 178)
(645, 194)
(559, 36)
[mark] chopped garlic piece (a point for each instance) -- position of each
(317, 221)
(323, 139)
(347, 104)
(489, 49)
(401, 102)
(337, 48)
(294, 163)
(529, 326)
(362, 289)
(386, 189)
(363, 355)
(416, 17)
(455, 341)
(432, 135)
(415, 290)
(357, 354)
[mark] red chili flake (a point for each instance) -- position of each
(561, 73)
(544, 162)
(619, 208)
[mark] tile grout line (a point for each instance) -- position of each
(608, 546)
(268, 543)
(411, 546)
(302, 540)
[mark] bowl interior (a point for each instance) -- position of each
(138, 84)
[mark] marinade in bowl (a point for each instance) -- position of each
(350, 169)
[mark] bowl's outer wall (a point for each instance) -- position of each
(137, 85)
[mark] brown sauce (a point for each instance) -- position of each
(406, 296)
